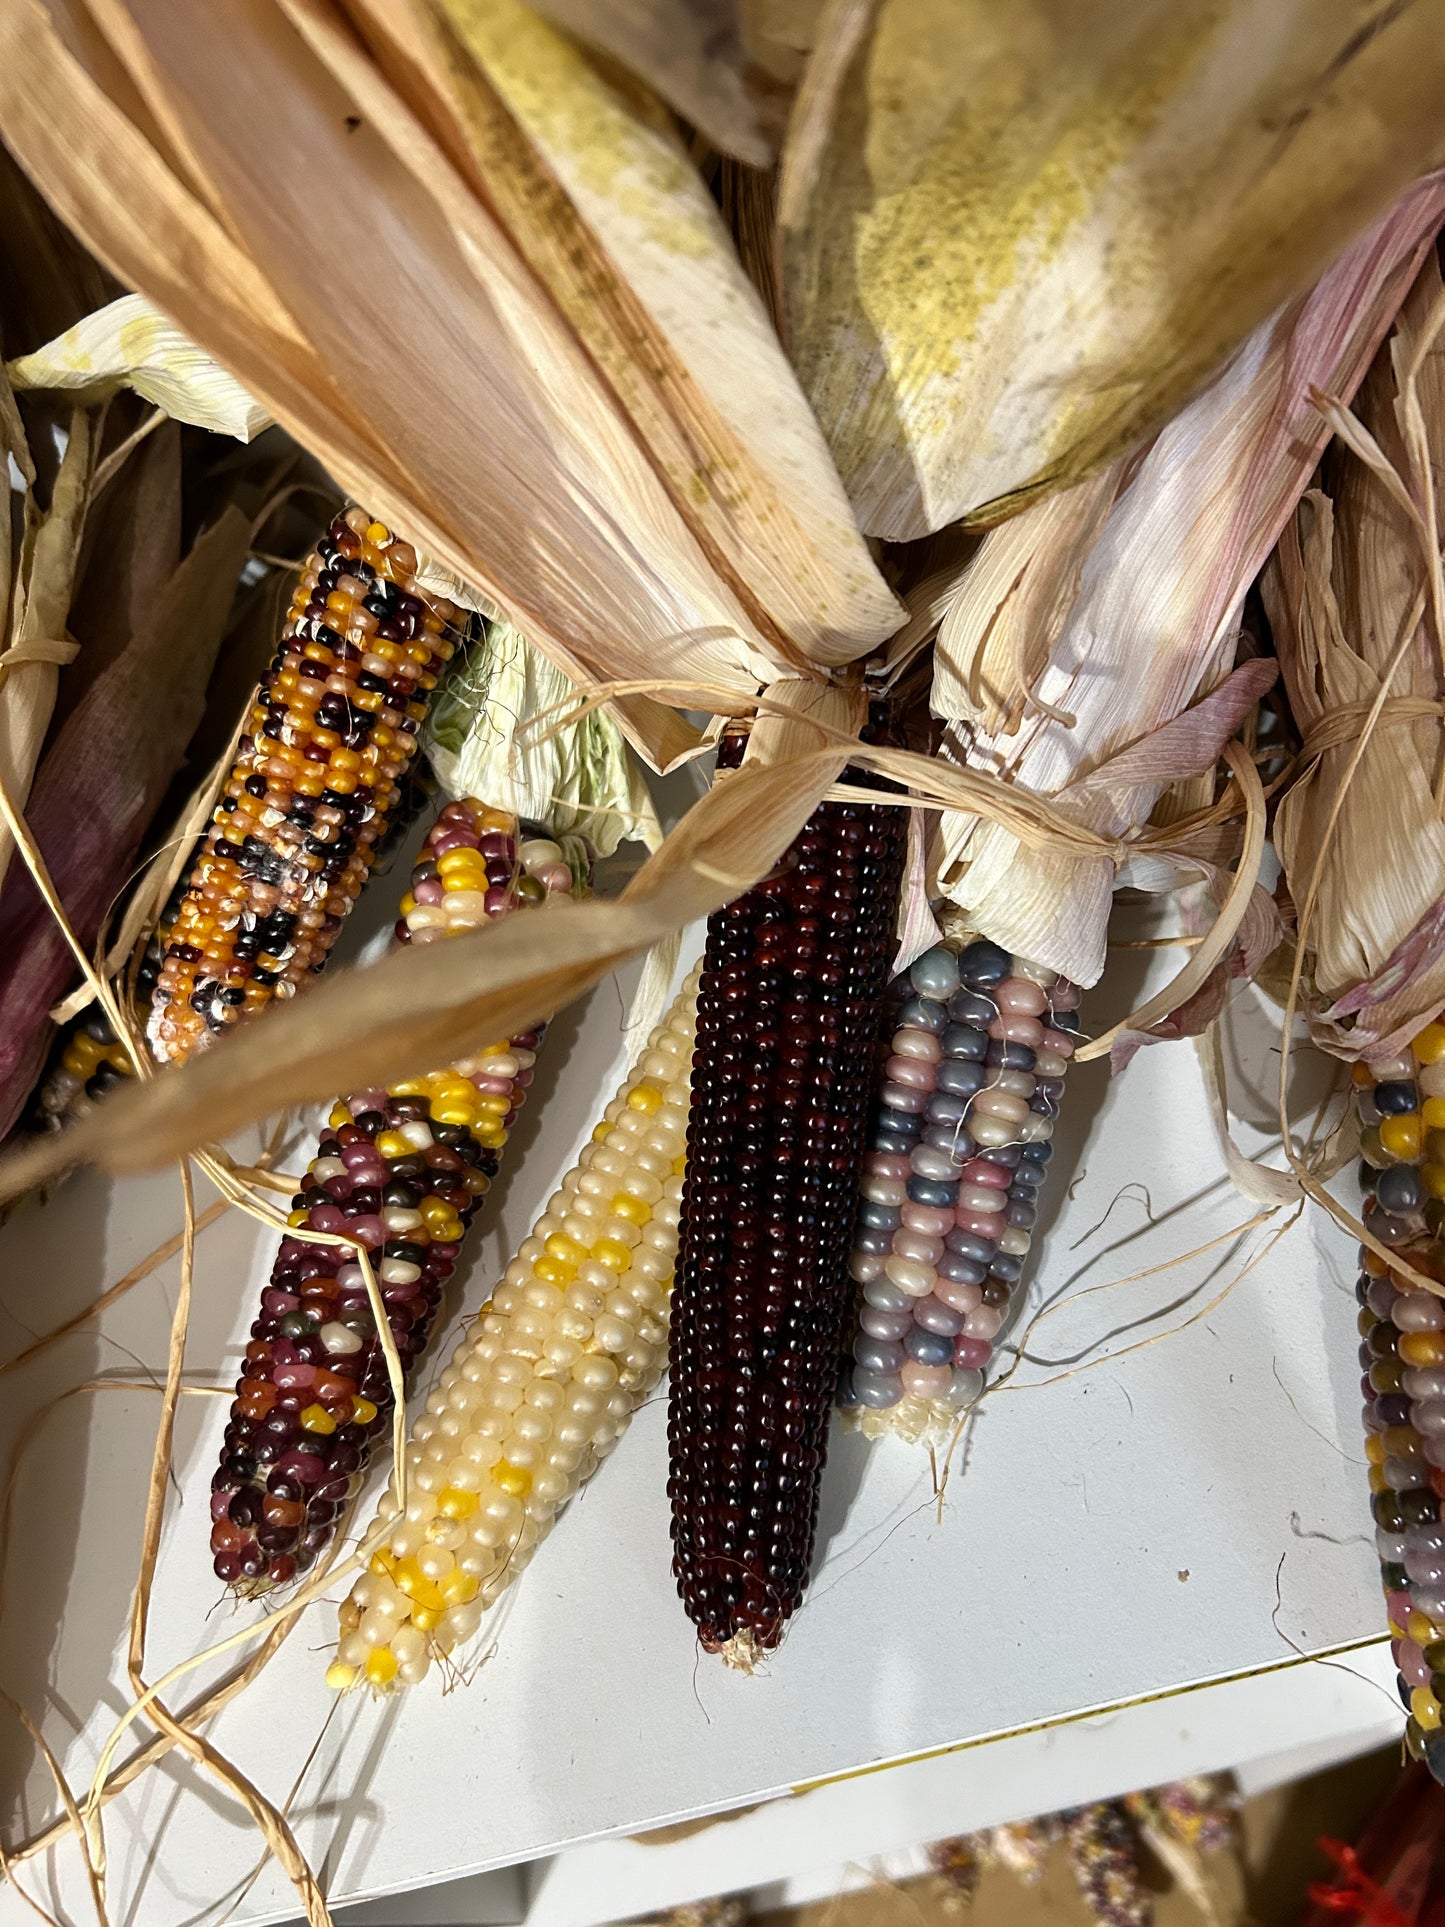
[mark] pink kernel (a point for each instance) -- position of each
(1399, 1606)
(1018, 1030)
(370, 1232)
(983, 1224)
(883, 1164)
(910, 1071)
(931, 1220)
(294, 1378)
(327, 1217)
(985, 1171)
(276, 1304)
(1059, 1041)
(430, 890)
(971, 1354)
(366, 1101)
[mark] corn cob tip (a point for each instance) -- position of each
(743, 1652)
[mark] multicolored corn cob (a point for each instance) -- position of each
(1104, 1853)
(402, 1171)
(788, 1014)
(960, 1144)
(1401, 1107)
(315, 785)
(540, 1388)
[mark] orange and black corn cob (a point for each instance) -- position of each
(315, 787)
(792, 990)
(401, 1171)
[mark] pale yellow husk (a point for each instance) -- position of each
(1353, 595)
(129, 344)
(1017, 237)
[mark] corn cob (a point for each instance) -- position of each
(315, 785)
(402, 1171)
(792, 988)
(540, 1388)
(960, 1144)
(1401, 1107)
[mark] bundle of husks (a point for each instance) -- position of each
(1052, 263)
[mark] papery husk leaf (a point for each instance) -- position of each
(695, 54)
(427, 371)
(576, 777)
(604, 201)
(89, 811)
(1361, 831)
(38, 643)
(426, 1005)
(1016, 238)
(130, 344)
(1155, 617)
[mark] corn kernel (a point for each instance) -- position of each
(339, 1115)
(624, 1205)
(1426, 1708)
(316, 1418)
(1421, 1629)
(515, 1479)
(1432, 1111)
(362, 1411)
(459, 1587)
(340, 1676)
(381, 1666)
(1374, 1449)
(612, 1253)
(1402, 1137)
(391, 1144)
(1429, 1046)
(455, 1504)
(566, 1250)
(644, 1097)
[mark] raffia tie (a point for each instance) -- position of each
(1337, 727)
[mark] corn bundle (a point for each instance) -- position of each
(959, 1147)
(402, 1172)
(314, 788)
(540, 1389)
(788, 1011)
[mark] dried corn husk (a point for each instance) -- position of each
(129, 344)
(580, 779)
(1353, 595)
(1153, 593)
(1016, 238)
(430, 371)
(37, 642)
(89, 811)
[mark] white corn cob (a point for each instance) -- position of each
(541, 1386)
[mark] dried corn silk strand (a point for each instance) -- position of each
(402, 1171)
(315, 786)
(541, 1387)
(794, 977)
(959, 1146)
(1401, 1108)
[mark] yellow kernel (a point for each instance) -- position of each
(339, 1676)
(679, 1164)
(1429, 1046)
(455, 1504)
(612, 1253)
(1421, 1629)
(600, 1133)
(1433, 1113)
(494, 819)
(316, 1418)
(515, 1479)
(378, 534)
(339, 1115)
(553, 1272)
(1402, 1136)
(624, 1205)
(1424, 1349)
(297, 1217)
(391, 1144)
(1374, 1449)
(458, 1586)
(565, 1249)
(383, 1561)
(489, 1134)
(362, 1411)
(381, 1665)
(1377, 1478)
(644, 1097)
(456, 861)
(1425, 1707)
(1432, 1176)
(426, 1618)
(408, 903)
(412, 1087)
(415, 1584)
(492, 1104)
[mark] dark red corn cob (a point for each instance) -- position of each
(402, 1171)
(793, 982)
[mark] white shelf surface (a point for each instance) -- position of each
(1187, 1513)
